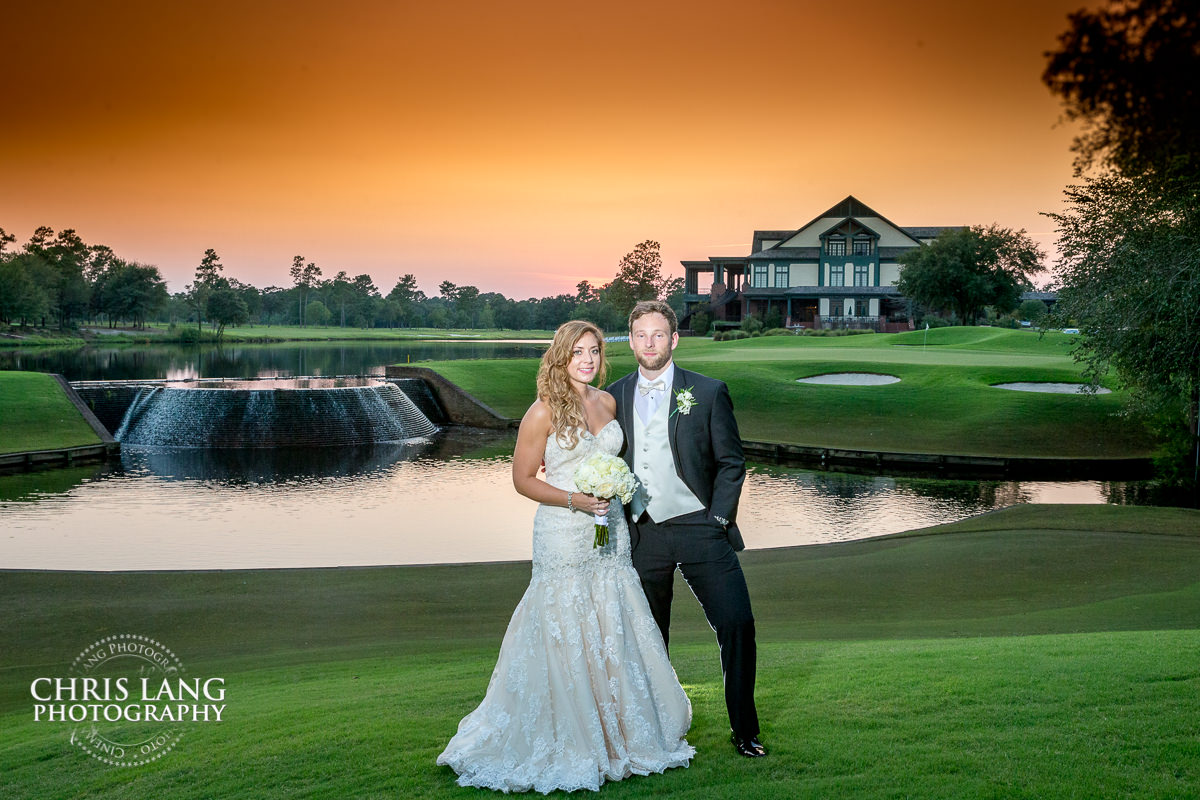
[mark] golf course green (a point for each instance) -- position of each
(944, 403)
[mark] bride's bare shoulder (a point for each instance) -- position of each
(537, 418)
(604, 399)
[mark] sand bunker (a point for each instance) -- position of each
(1053, 388)
(851, 379)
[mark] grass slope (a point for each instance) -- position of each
(944, 402)
(1040, 651)
(35, 414)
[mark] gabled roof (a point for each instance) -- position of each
(850, 208)
(847, 220)
(761, 236)
(853, 207)
(931, 231)
(777, 253)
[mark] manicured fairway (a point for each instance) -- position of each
(1040, 652)
(944, 402)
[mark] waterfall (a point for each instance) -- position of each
(134, 412)
(266, 415)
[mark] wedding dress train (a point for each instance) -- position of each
(582, 691)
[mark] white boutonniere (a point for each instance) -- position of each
(684, 400)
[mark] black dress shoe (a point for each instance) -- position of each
(748, 746)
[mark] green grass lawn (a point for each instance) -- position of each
(944, 402)
(35, 414)
(1039, 651)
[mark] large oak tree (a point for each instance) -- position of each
(967, 269)
(1130, 237)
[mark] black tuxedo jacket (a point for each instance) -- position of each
(705, 443)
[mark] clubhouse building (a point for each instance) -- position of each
(838, 271)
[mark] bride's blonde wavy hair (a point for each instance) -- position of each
(554, 387)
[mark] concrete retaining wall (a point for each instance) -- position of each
(460, 407)
(951, 466)
(67, 456)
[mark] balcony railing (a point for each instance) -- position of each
(849, 323)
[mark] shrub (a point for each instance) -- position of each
(777, 332)
(190, 335)
(1032, 310)
(734, 334)
(752, 323)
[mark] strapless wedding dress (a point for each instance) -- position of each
(582, 691)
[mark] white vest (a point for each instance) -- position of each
(655, 467)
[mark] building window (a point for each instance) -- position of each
(835, 307)
(760, 276)
(782, 276)
(837, 275)
(862, 276)
(692, 281)
(862, 308)
(862, 247)
(835, 247)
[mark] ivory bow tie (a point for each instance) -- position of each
(654, 386)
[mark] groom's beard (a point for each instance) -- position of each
(653, 362)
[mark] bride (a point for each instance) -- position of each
(582, 691)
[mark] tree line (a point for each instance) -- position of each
(1129, 238)
(58, 280)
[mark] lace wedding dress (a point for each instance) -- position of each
(582, 691)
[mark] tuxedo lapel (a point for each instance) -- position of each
(678, 383)
(627, 413)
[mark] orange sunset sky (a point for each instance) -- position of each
(516, 146)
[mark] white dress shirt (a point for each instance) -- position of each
(646, 404)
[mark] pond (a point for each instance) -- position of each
(446, 498)
(441, 500)
(173, 362)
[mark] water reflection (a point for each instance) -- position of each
(445, 499)
(784, 506)
(179, 362)
(298, 465)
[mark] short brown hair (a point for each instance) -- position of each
(654, 307)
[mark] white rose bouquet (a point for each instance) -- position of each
(606, 476)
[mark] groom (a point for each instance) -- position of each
(682, 442)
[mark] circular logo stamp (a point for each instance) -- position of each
(128, 699)
(124, 742)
